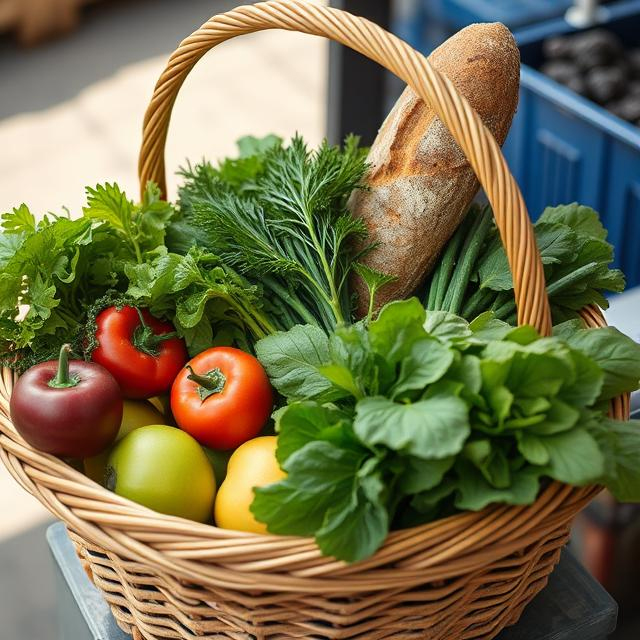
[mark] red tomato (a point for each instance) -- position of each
(138, 351)
(222, 398)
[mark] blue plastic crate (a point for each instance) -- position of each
(420, 23)
(564, 148)
(427, 23)
(513, 13)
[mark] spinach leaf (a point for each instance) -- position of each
(475, 493)
(427, 363)
(292, 360)
(617, 355)
(430, 429)
(574, 457)
(397, 328)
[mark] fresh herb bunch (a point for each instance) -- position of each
(58, 274)
(278, 214)
(259, 244)
(418, 414)
(208, 302)
(473, 274)
(53, 270)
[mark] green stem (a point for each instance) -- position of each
(430, 302)
(145, 340)
(134, 242)
(478, 303)
(566, 281)
(292, 301)
(503, 297)
(442, 275)
(470, 251)
(136, 247)
(372, 295)
(62, 378)
(208, 383)
(258, 324)
(506, 309)
(335, 298)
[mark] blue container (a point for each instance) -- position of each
(430, 24)
(513, 13)
(564, 148)
(425, 24)
(421, 23)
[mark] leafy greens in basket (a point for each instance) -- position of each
(391, 421)
(473, 275)
(258, 245)
(420, 414)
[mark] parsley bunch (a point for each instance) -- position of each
(52, 271)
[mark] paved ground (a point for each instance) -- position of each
(73, 110)
(27, 595)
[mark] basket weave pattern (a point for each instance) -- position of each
(467, 576)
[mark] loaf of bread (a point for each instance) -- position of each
(420, 183)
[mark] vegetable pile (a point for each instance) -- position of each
(275, 410)
(595, 64)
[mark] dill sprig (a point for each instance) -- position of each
(279, 216)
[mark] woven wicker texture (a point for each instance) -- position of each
(467, 576)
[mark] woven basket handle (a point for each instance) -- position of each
(466, 127)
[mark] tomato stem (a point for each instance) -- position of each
(62, 379)
(208, 383)
(145, 340)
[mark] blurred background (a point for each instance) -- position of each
(76, 77)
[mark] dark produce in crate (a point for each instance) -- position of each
(595, 49)
(595, 64)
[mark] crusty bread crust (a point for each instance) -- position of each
(420, 183)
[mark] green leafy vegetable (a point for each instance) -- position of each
(282, 221)
(431, 429)
(292, 360)
(259, 244)
(421, 414)
(576, 256)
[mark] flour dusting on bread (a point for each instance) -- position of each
(420, 181)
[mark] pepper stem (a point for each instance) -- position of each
(145, 340)
(62, 379)
(208, 383)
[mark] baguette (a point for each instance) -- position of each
(420, 183)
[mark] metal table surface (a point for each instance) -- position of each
(573, 606)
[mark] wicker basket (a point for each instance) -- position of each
(467, 576)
